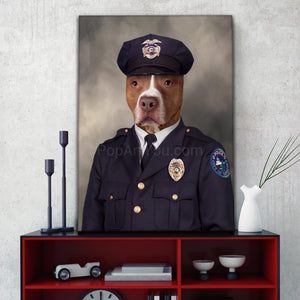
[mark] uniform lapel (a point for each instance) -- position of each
(170, 148)
(130, 154)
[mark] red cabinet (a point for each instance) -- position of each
(259, 277)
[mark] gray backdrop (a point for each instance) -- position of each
(208, 99)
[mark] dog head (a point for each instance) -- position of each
(154, 66)
(154, 100)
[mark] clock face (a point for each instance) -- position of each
(101, 295)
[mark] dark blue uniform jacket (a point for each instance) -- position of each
(122, 197)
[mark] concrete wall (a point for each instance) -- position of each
(38, 83)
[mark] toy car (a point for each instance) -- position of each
(65, 272)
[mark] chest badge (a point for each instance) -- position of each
(151, 48)
(176, 169)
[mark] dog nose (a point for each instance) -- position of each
(148, 104)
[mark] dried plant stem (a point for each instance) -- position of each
(286, 158)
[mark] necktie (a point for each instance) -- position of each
(150, 138)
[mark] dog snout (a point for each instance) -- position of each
(148, 104)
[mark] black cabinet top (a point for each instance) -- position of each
(146, 234)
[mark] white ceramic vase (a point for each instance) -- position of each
(250, 220)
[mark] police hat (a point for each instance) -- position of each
(154, 54)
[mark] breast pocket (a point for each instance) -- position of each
(114, 196)
(174, 205)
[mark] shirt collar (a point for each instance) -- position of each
(160, 135)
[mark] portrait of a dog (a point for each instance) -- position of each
(108, 100)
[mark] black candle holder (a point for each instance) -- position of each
(49, 170)
(64, 140)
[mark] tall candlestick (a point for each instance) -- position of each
(49, 170)
(63, 140)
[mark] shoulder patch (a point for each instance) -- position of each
(219, 163)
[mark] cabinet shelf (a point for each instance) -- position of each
(259, 277)
(221, 283)
(89, 283)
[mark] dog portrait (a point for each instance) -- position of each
(115, 93)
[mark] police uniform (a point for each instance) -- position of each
(186, 185)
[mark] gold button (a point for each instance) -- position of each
(126, 130)
(141, 185)
(174, 196)
(111, 197)
(188, 130)
(137, 209)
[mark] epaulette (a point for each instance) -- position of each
(121, 132)
(198, 135)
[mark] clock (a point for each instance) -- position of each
(101, 294)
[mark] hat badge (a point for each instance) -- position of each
(176, 169)
(151, 49)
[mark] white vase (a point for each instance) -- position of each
(250, 220)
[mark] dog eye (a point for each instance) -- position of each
(134, 83)
(168, 83)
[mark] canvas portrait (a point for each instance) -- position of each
(208, 87)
